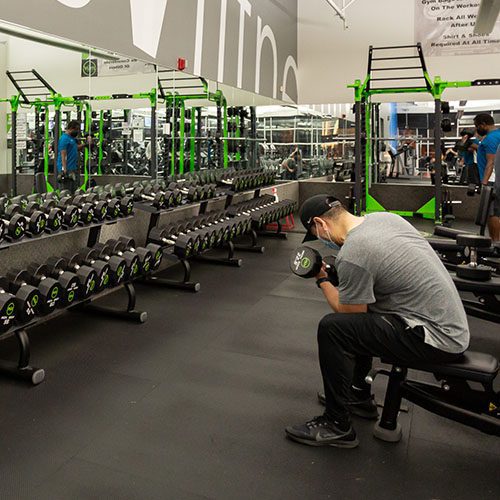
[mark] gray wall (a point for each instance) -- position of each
(138, 32)
(395, 196)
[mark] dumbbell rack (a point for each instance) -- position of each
(253, 247)
(22, 369)
(185, 283)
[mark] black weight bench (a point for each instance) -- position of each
(457, 397)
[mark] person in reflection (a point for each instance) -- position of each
(292, 166)
(67, 157)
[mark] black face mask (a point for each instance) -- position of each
(74, 133)
(481, 131)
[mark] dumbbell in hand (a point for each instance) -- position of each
(307, 262)
(27, 296)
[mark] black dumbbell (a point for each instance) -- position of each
(27, 296)
(100, 206)
(118, 268)
(157, 199)
(51, 293)
(90, 257)
(86, 209)
(36, 219)
(172, 198)
(207, 236)
(225, 228)
(117, 248)
(183, 243)
(116, 265)
(54, 214)
(13, 222)
(191, 192)
(473, 270)
(307, 262)
(71, 214)
(69, 282)
(87, 277)
(8, 310)
(147, 255)
(473, 189)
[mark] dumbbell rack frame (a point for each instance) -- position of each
(253, 247)
(22, 369)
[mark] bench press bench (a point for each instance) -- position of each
(465, 393)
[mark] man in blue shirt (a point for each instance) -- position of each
(486, 150)
(466, 154)
(67, 156)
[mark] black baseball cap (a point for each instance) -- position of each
(315, 206)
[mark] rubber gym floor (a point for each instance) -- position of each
(193, 404)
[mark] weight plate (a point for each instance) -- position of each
(305, 262)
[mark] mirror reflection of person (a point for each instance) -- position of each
(291, 165)
(486, 151)
(67, 156)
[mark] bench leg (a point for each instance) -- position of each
(388, 428)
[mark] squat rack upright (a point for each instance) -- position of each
(410, 77)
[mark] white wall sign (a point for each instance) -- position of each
(446, 28)
(126, 66)
(138, 135)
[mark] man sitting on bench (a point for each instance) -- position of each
(395, 299)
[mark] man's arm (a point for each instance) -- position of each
(332, 297)
(490, 164)
(64, 160)
(331, 294)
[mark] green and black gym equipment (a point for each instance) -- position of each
(392, 79)
(86, 210)
(307, 262)
(27, 296)
(14, 223)
(69, 281)
(145, 255)
(51, 291)
(88, 257)
(36, 219)
(54, 214)
(87, 277)
(472, 270)
(8, 310)
(183, 243)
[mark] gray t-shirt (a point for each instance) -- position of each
(387, 264)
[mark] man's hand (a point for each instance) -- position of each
(322, 273)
